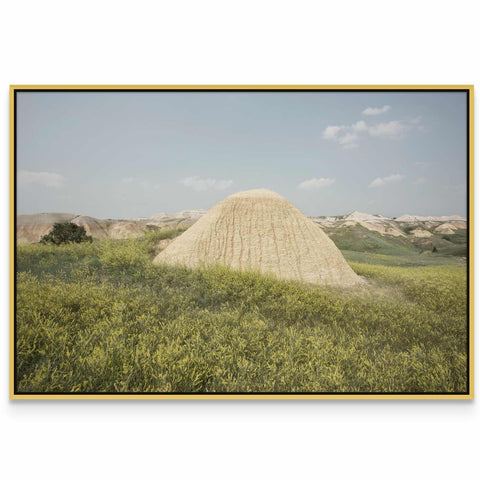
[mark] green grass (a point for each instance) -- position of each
(359, 239)
(416, 259)
(101, 317)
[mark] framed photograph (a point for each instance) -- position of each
(241, 242)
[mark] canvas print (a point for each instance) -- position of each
(211, 242)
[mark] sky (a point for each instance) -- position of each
(129, 155)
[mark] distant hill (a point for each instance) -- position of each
(355, 231)
(405, 235)
(31, 228)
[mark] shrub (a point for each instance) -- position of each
(66, 232)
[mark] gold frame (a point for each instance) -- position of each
(188, 396)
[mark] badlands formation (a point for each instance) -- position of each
(403, 226)
(31, 228)
(289, 236)
(260, 230)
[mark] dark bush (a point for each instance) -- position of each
(66, 232)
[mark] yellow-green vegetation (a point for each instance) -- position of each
(359, 239)
(100, 317)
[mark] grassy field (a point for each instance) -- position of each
(100, 317)
(359, 239)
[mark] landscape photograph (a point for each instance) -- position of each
(264, 242)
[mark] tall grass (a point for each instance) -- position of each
(101, 317)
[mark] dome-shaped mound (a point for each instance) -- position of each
(262, 231)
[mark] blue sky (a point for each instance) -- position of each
(126, 155)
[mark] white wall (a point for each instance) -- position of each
(218, 42)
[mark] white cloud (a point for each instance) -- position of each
(381, 181)
(348, 136)
(390, 129)
(47, 179)
(376, 110)
(331, 132)
(316, 183)
(201, 184)
(360, 126)
(345, 136)
(377, 183)
(128, 180)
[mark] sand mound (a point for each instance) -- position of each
(446, 228)
(421, 233)
(419, 218)
(93, 226)
(125, 229)
(365, 217)
(260, 230)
